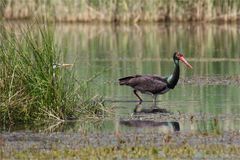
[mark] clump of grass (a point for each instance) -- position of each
(32, 89)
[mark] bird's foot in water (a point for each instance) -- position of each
(153, 109)
(159, 110)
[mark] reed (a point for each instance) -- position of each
(124, 11)
(32, 88)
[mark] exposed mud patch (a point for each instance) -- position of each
(211, 80)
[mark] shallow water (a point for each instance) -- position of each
(211, 49)
(117, 51)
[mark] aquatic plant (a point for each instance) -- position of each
(33, 87)
(167, 151)
(122, 10)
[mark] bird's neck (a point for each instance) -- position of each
(173, 78)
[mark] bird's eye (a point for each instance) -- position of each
(179, 55)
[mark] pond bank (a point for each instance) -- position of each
(152, 141)
(137, 145)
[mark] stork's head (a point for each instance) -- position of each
(179, 56)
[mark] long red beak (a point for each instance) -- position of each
(185, 61)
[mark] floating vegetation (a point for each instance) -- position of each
(122, 10)
(32, 89)
(181, 116)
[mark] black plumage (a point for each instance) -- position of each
(145, 83)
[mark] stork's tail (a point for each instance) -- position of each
(125, 80)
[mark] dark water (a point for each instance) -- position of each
(117, 51)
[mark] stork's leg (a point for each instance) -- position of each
(140, 99)
(138, 108)
(154, 100)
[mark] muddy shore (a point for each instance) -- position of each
(149, 139)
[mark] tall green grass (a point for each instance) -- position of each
(32, 89)
(122, 10)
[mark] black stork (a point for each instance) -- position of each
(155, 85)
